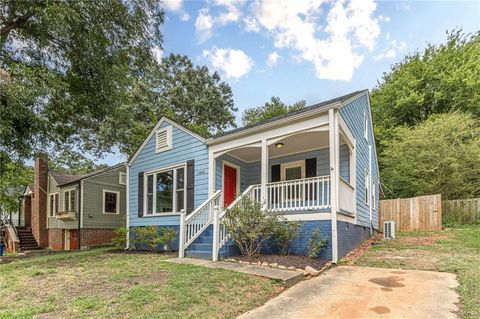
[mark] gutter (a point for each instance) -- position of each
(79, 244)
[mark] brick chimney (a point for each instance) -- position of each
(39, 201)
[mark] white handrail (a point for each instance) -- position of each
(196, 222)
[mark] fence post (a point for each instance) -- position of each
(181, 237)
(216, 229)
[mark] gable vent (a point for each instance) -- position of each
(163, 139)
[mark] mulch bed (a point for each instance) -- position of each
(290, 260)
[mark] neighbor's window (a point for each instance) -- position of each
(122, 178)
(53, 203)
(165, 191)
(111, 200)
(69, 200)
(367, 187)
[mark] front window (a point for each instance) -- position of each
(53, 203)
(165, 191)
(111, 202)
(69, 198)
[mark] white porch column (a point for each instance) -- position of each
(264, 172)
(334, 150)
(211, 173)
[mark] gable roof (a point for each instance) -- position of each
(156, 127)
(325, 105)
(65, 179)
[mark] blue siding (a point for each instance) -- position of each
(184, 147)
(219, 172)
(353, 115)
(350, 236)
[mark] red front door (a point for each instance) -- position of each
(73, 239)
(229, 184)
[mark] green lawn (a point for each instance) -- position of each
(102, 284)
(455, 250)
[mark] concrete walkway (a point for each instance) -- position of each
(288, 277)
(361, 292)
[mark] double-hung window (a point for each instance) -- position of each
(69, 197)
(53, 204)
(165, 191)
(111, 202)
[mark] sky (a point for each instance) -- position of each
(309, 50)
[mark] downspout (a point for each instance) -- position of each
(127, 222)
(79, 244)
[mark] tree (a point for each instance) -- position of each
(441, 79)
(72, 162)
(65, 67)
(440, 155)
(188, 94)
(270, 109)
(13, 179)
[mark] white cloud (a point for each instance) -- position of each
(272, 59)
(251, 25)
(184, 17)
(204, 24)
(234, 63)
(233, 13)
(172, 5)
(349, 28)
(384, 18)
(391, 51)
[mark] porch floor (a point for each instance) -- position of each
(288, 277)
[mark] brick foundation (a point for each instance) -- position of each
(96, 236)
(56, 239)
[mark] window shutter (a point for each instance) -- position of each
(190, 186)
(311, 167)
(275, 173)
(140, 194)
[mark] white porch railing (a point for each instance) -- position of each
(346, 196)
(299, 194)
(195, 223)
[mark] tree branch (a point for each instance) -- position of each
(14, 24)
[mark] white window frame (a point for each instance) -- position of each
(284, 166)
(120, 175)
(49, 214)
(117, 205)
(167, 129)
(365, 124)
(69, 200)
(154, 204)
(367, 188)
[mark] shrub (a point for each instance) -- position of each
(249, 226)
(120, 239)
(284, 233)
(150, 237)
(316, 243)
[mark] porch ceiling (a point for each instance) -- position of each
(292, 144)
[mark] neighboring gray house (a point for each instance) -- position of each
(317, 165)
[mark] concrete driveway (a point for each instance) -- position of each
(361, 292)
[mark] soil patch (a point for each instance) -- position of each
(430, 240)
(358, 252)
(288, 261)
(169, 254)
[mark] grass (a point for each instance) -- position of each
(101, 284)
(455, 250)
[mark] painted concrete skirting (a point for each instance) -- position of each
(288, 277)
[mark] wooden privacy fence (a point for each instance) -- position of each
(461, 211)
(423, 213)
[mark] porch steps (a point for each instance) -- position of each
(202, 247)
(27, 240)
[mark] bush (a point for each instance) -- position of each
(150, 237)
(120, 239)
(284, 233)
(316, 243)
(249, 226)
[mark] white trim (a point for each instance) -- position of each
(120, 174)
(334, 167)
(174, 198)
(367, 194)
(54, 200)
(127, 222)
(69, 199)
(237, 172)
(117, 206)
(284, 166)
(155, 128)
(168, 136)
(82, 206)
(365, 126)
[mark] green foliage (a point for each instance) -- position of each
(66, 66)
(284, 233)
(249, 226)
(270, 109)
(151, 237)
(316, 243)
(14, 177)
(178, 89)
(120, 239)
(440, 155)
(74, 163)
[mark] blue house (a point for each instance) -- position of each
(317, 165)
